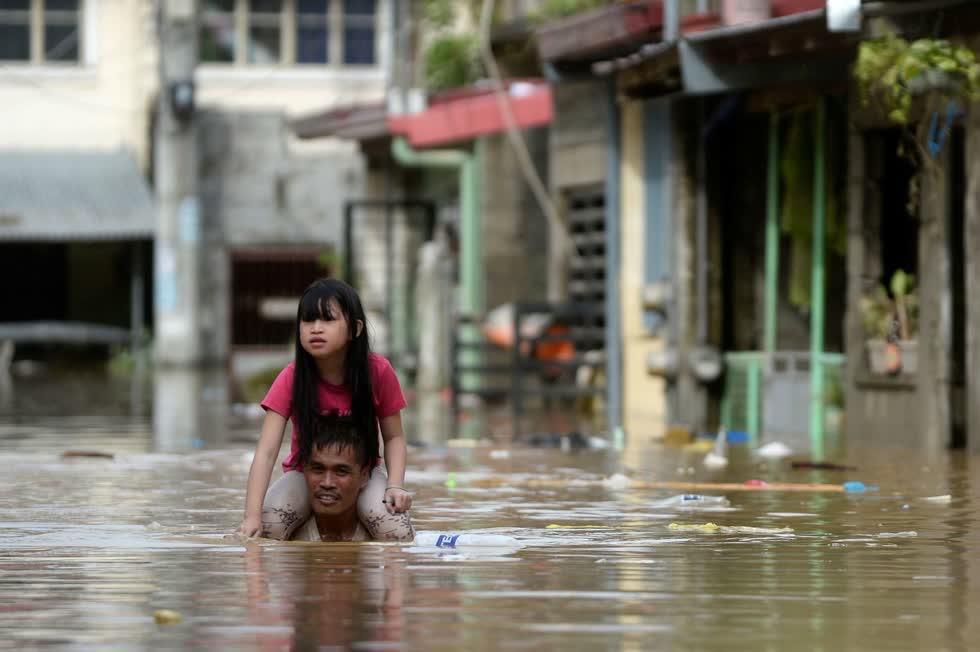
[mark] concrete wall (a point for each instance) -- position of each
(577, 135)
(263, 190)
(103, 103)
(514, 229)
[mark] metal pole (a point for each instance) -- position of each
(349, 274)
(754, 367)
(136, 299)
(772, 237)
(613, 334)
(702, 231)
(817, 285)
(672, 20)
(390, 317)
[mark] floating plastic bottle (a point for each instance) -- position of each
(465, 540)
(692, 500)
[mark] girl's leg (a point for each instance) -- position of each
(374, 515)
(286, 506)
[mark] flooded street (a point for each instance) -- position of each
(91, 548)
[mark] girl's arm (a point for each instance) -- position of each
(397, 499)
(266, 453)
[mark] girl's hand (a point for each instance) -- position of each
(397, 500)
(251, 526)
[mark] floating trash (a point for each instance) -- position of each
(774, 450)
(167, 617)
(702, 527)
(857, 487)
(617, 481)
(945, 499)
(692, 500)
(712, 528)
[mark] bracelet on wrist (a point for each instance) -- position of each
(394, 487)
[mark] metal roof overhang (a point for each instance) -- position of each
(795, 48)
(453, 116)
(57, 196)
(477, 111)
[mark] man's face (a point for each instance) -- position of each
(334, 480)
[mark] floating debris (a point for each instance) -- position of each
(717, 458)
(825, 466)
(712, 528)
(857, 487)
(702, 527)
(774, 450)
(945, 499)
(94, 454)
(167, 617)
(617, 481)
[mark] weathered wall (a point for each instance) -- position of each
(644, 404)
(264, 191)
(577, 135)
(514, 231)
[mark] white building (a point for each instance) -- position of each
(78, 86)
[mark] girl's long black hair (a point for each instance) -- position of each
(316, 303)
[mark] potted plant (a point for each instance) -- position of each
(890, 319)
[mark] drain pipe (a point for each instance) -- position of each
(470, 276)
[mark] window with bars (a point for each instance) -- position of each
(40, 31)
(289, 32)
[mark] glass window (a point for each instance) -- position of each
(61, 30)
(15, 30)
(218, 36)
(264, 25)
(312, 33)
(359, 31)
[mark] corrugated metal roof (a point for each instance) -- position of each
(73, 195)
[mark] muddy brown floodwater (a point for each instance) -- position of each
(92, 548)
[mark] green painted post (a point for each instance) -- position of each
(772, 236)
(817, 285)
(752, 398)
(726, 406)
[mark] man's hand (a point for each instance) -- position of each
(251, 526)
(397, 500)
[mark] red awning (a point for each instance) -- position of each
(472, 112)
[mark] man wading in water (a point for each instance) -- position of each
(337, 466)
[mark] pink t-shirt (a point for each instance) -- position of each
(388, 399)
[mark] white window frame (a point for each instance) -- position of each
(37, 45)
(336, 22)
